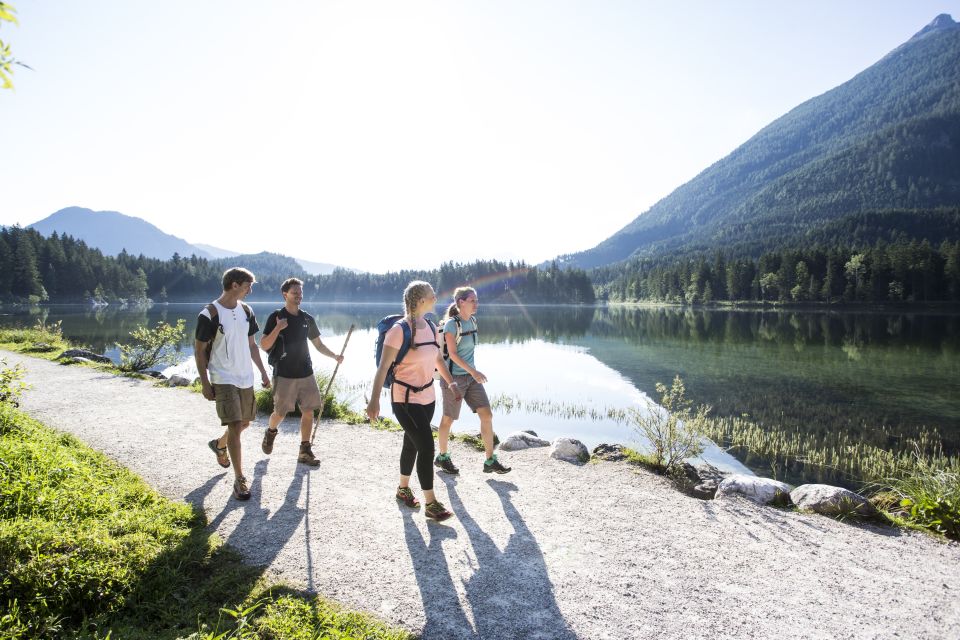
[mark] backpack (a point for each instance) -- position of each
(279, 349)
(385, 325)
(460, 334)
(212, 309)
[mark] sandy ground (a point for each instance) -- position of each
(552, 550)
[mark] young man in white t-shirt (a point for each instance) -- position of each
(230, 325)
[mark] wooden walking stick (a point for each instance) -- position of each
(333, 375)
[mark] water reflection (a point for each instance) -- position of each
(877, 376)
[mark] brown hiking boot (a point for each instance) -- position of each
(306, 456)
(268, 437)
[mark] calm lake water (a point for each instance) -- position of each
(880, 376)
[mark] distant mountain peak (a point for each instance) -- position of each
(940, 23)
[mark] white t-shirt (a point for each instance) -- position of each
(230, 361)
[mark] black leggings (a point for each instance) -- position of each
(417, 440)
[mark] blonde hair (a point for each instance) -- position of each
(460, 293)
(412, 295)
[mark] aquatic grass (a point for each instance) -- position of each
(88, 550)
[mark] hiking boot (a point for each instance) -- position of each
(240, 489)
(406, 496)
(493, 466)
(222, 458)
(306, 456)
(268, 437)
(437, 511)
(445, 463)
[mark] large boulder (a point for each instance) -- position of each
(177, 380)
(519, 440)
(570, 450)
(755, 488)
(610, 452)
(83, 353)
(702, 480)
(831, 501)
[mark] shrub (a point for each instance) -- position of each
(674, 430)
(929, 497)
(334, 408)
(11, 383)
(152, 347)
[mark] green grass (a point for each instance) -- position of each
(87, 549)
(42, 340)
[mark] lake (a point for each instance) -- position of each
(880, 376)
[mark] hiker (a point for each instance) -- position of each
(285, 337)
(223, 344)
(412, 394)
(459, 340)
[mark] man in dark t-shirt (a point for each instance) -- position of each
(285, 337)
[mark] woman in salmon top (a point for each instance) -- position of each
(412, 393)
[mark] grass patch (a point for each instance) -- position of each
(42, 340)
(88, 550)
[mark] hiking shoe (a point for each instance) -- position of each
(437, 511)
(240, 489)
(268, 437)
(306, 456)
(406, 496)
(222, 458)
(493, 466)
(445, 463)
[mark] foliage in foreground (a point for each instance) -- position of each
(928, 497)
(152, 347)
(88, 550)
(674, 429)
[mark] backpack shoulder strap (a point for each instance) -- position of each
(407, 339)
(212, 310)
(247, 310)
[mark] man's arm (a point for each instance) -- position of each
(255, 356)
(322, 348)
(200, 358)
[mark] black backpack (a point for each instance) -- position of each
(279, 349)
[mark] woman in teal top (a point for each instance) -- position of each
(460, 338)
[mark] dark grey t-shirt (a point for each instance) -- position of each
(295, 353)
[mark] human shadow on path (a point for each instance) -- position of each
(259, 534)
(510, 593)
(446, 618)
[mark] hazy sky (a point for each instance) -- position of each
(388, 135)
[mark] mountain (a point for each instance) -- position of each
(113, 232)
(888, 139)
(215, 252)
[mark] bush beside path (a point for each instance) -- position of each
(552, 550)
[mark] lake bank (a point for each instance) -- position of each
(571, 551)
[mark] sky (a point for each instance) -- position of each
(394, 135)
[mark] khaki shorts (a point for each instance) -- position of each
(471, 390)
(234, 404)
(289, 392)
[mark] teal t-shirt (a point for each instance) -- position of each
(467, 343)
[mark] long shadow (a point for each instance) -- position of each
(510, 593)
(446, 618)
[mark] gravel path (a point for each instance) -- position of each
(552, 550)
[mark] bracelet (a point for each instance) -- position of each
(453, 383)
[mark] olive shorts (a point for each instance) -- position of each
(289, 392)
(471, 390)
(234, 404)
